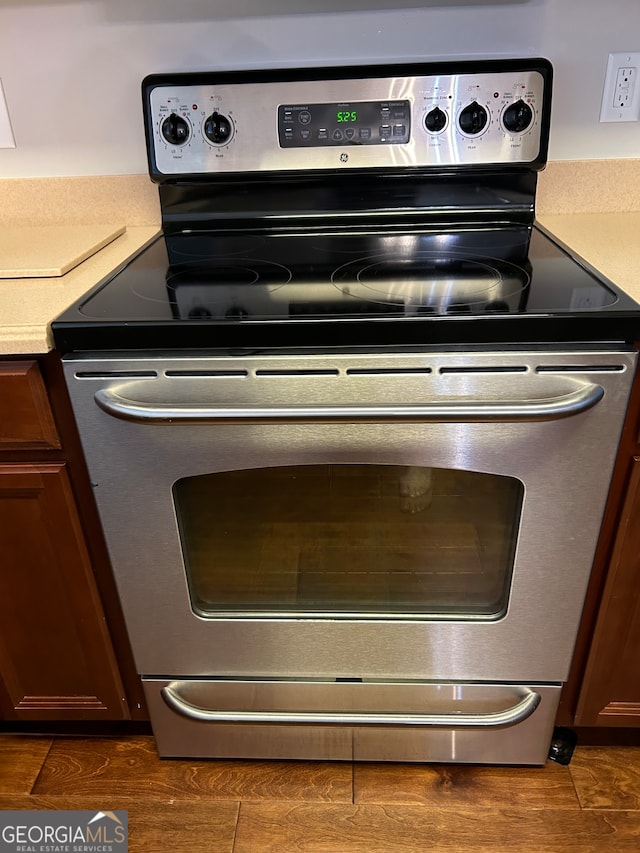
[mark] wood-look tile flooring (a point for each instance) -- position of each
(321, 807)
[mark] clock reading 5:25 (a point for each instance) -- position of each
(346, 115)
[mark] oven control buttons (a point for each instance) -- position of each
(175, 130)
(436, 120)
(322, 125)
(517, 117)
(218, 128)
(473, 119)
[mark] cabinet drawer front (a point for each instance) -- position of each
(26, 420)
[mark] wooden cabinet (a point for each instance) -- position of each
(57, 655)
(55, 652)
(610, 691)
(604, 687)
(26, 419)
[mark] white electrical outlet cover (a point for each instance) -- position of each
(611, 109)
(6, 133)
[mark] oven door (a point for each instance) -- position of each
(391, 516)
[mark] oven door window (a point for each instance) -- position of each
(343, 541)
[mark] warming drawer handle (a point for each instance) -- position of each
(516, 714)
(552, 408)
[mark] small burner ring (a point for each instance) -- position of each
(242, 272)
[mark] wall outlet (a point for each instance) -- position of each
(621, 94)
(6, 133)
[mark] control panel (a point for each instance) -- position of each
(494, 113)
(357, 123)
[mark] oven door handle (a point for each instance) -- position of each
(546, 409)
(507, 717)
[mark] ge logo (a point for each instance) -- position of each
(344, 158)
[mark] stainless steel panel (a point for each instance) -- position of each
(252, 109)
(565, 466)
(452, 736)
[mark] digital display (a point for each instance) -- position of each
(311, 125)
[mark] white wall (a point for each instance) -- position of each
(71, 71)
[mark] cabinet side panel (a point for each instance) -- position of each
(610, 694)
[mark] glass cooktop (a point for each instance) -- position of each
(350, 287)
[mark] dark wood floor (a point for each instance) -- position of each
(316, 807)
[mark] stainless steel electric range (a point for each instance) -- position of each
(351, 419)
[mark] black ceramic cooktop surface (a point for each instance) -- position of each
(494, 284)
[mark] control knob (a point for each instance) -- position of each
(473, 119)
(436, 120)
(217, 128)
(175, 129)
(517, 117)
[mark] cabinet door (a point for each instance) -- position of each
(56, 659)
(610, 695)
(26, 421)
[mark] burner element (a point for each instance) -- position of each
(234, 289)
(434, 282)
